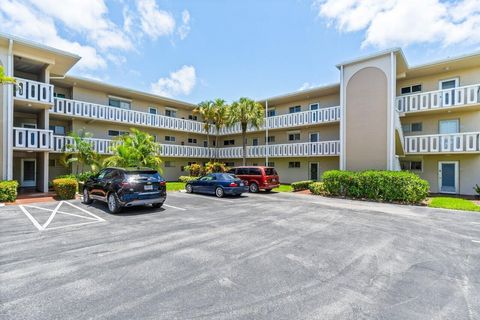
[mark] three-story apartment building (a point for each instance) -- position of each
(383, 114)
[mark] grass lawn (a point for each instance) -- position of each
(283, 188)
(175, 186)
(453, 203)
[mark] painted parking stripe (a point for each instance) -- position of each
(63, 212)
(173, 207)
(476, 241)
(32, 219)
(206, 197)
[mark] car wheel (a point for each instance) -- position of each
(219, 192)
(253, 188)
(86, 197)
(268, 190)
(189, 188)
(113, 204)
(157, 205)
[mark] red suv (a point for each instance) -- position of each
(257, 178)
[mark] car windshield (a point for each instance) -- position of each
(143, 175)
(270, 171)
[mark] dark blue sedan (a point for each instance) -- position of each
(219, 184)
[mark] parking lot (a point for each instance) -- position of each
(261, 256)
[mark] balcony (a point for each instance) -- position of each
(33, 91)
(323, 115)
(32, 139)
(436, 100)
(93, 111)
(443, 143)
(307, 149)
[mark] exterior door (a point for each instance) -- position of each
(448, 177)
(29, 173)
(314, 171)
(314, 137)
(448, 96)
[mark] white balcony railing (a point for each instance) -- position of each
(324, 148)
(461, 96)
(102, 112)
(34, 139)
(33, 90)
(323, 115)
(443, 143)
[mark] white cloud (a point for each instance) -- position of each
(180, 82)
(390, 23)
(306, 85)
(21, 19)
(184, 29)
(153, 21)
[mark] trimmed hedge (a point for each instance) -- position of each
(186, 178)
(8, 190)
(389, 186)
(301, 185)
(317, 188)
(66, 188)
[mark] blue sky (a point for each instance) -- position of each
(202, 49)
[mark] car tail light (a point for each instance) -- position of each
(233, 184)
(163, 183)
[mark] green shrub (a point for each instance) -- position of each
(477, 189)
(84, 176)
(301, 185)
(8, 191)
(66, 176)
(317, 188)
(390, 186)
(65, 188)
(186, 178)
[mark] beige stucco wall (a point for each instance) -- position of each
(331, 100)
(100, 97)
(430, 83)
(469, 170)
(366, 118)
(469, 121)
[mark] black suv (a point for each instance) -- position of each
(126, 187)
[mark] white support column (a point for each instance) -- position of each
(9, 116)
(343, 162)
(391, 114)
(42, 173)
(266, 132)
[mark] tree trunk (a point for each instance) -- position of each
(216, 147)
(244, 144)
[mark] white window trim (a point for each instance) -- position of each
(29, 124)
(410, 86)
(454, 119)
(313, 104)
(310, 136)
(456, 79)
(153, 108)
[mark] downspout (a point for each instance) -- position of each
(391, 112)
(8, 135)
(266, 132)
(342, 122)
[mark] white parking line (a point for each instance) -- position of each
(476, 241)
(173, 207)
(206, 197)
(32, 219)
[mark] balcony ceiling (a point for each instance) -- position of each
(28, 65)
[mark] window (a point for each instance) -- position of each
(295, 109)
(411, 89)
(52, 163)
(254, 164)
(294, 164)
(270, 139)
(415, 165)
(271, 113)
(116, 133)
(230, 164)
(293, 136)
(314, 106)
(118, 103)
(229, 142)
(270, 164)
(205, 143)
(449, 126)
(170, 138)
(242, 171)
(192, 117)
(152, 110)
(169, 164)
(254, 171)
(448, 84)
(255, 142)
(59, 95)
(29, 125)
(192, 140)
(171, 113)
(155, 138)
(412, 127)
(59, 130)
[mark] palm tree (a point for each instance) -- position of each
(248, 113)
(205, 110)
(3, 78)
(137, 149)
(220, 118)
(80, 151)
